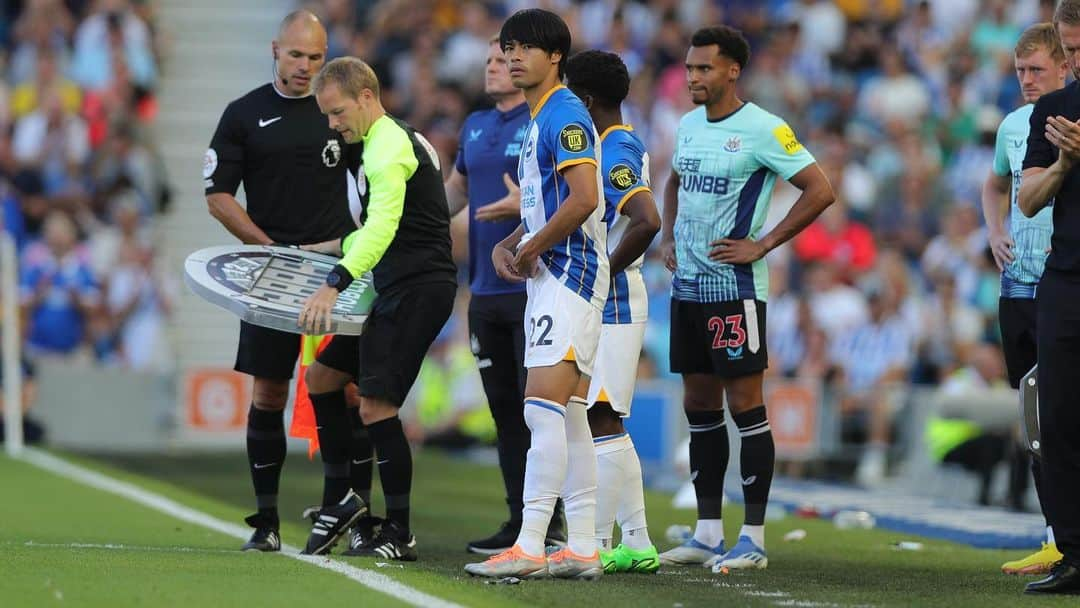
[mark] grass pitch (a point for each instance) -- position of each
(64, 544)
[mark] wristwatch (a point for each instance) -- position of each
(339, 278)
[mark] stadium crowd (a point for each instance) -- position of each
(80, 180)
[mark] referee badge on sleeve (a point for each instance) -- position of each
(572, 138)
(209, 164)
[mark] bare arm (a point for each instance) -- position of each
(457, 192)
(644, 224)
(225, 209)
(995, 207)
(1040, 185)
(671, 211)
(583, 199)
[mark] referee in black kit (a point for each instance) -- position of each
(1052, 176)
(294, 171)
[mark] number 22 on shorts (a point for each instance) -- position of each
(542, 325)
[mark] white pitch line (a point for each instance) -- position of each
(118, 547)
(372, 580)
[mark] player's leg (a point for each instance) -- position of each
(269, 356)
(409, 319)
(1017, 319)
(620, 491)
(691, 356)
(498, 340)
(326, 379)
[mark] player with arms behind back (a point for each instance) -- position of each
(602, 82)
(728, 154)
(560, 249)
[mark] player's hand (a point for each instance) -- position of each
(1065, 135)
(503, 260)
(736, 251)
(1001, 246)
(524, 263)
(667, 252)
(315, 316)
(506, 208)
(331, 247)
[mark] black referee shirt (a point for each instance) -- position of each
(1065, 241)
(292, 165)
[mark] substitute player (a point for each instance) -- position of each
(405, 243)
(294, 171)
(560, 249)
(728, 154)
(484, 180)
(1021, 250)
(602, 82)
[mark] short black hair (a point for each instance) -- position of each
(600, 74)
(542, 29)
(730, 40)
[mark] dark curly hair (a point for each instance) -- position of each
(600, 74)
(730, 40)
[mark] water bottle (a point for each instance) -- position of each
(854, 520)
(678, 534)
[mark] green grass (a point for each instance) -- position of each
(453, 501)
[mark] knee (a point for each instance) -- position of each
(322, 379)
(376, 410)
(696, 402)
(603, 420)
(270, 394)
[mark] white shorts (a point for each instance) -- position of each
(615, 372)
(559, 325)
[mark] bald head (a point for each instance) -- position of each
(299, 52)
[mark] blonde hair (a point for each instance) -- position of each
(1040, 36)
(351, 76)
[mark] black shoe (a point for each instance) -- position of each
(391, 542)
(502, 540)
(1064, 579)
(332, 523)
(265, 537)
(363, 531)
(556, 534)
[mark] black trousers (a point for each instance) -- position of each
(1058, 321)
(497, 332)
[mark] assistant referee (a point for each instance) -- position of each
(294, 171)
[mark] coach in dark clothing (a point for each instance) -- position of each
(294, 170)
(1052, 176)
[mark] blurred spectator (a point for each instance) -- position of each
(895, 95)
(951, 327)
(977, 446)
(58, 291)
(139, 300)
(29, 95)
(836, 307)
(835, 238)
(53, 141)
(872, 363)
(113, 36)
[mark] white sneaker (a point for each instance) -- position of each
(691, 552)
(745, 555)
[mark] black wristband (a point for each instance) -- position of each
(339, 278)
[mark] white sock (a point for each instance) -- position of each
(709, 532)
(545, 471)
(631, 515)
(579, 489)
(1050, 535)
(756, 534)
(609, 479)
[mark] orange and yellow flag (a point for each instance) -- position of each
(303, 418)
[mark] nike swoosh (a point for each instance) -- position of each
(263, 123)
(361, 461)
(263, 466)
(383, 461)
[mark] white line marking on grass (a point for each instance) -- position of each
(373, 580)
(119, 547)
